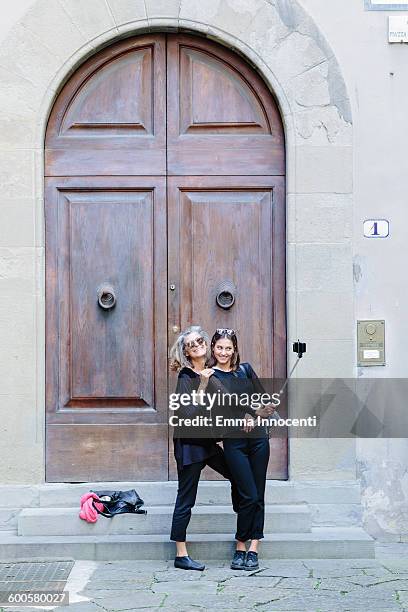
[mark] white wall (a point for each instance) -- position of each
(376, 75)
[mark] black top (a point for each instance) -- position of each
(188, 451)
(244, 382)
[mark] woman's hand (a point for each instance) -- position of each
(204, 378)
(249, 423)
(265, 411)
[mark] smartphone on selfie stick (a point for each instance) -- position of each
(299, 348)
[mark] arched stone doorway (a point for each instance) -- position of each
(165, 167)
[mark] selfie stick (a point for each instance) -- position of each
(299, 348)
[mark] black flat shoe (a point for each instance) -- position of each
(238, 560)
(251, 561)
(187, 563)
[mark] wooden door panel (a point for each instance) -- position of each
(106, 368)
(110, 118)
(92, 452)
(222, 120)
(232, 228)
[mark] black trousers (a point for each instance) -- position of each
(188, 478)
(248, 459)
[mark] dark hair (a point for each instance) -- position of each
(230, 335)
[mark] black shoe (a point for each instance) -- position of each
(188, 563)
(251, 561)
(238, 560)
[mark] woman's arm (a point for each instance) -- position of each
(186, 385)
(267, 410)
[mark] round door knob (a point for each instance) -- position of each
(225, 296)
(371, 329)
(106, 297)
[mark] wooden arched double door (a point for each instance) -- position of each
(165, 166)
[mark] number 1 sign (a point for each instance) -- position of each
(376, 228)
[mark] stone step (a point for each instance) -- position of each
(164, 493)
(295, 518)
(320, 543)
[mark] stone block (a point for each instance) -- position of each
(18, 97)
(17, 223)
(332, 515)
(18, 328)
(324, 267)
(324, 458)
(320, 126)
(8, 518)
(291, 270)
(22, 463)
(194, 10)
(92, 17)
(17, 130)
(24, 54)
(311, 88)
(125, 11)
(52, 24)
(39, 225)
(19, 496)
(324, 169)
(323, 217)
(338, 91)
(327, 359)
(320, 318)
(294, 55)
(162, 8)
(17, 270)
(291, 200)
(266, 32)
(19, 419)
(16, 173)
(291, 319)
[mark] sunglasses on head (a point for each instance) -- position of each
(196, 342)
(221, 330)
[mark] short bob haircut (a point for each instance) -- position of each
(231, 335)
(178, 356)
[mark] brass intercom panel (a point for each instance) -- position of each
(371, 343)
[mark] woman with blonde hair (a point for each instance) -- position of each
(189, 356)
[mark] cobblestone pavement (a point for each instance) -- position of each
(291, 585)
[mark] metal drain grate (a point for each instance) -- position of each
(35, 575)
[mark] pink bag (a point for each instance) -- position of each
(88, 512)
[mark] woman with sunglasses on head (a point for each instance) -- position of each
(246, 448)
(189, 355)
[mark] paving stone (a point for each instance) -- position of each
(371, 581)
(117, 585)
(136, 565)
(125, 600)
(281, 600)
(396, 567)
(291, 585)
(211, 601)
(338, 568)
(302, 584)
(245, 582)
(285, 568)
(180, 575)
(185, 586)
(78, 607)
